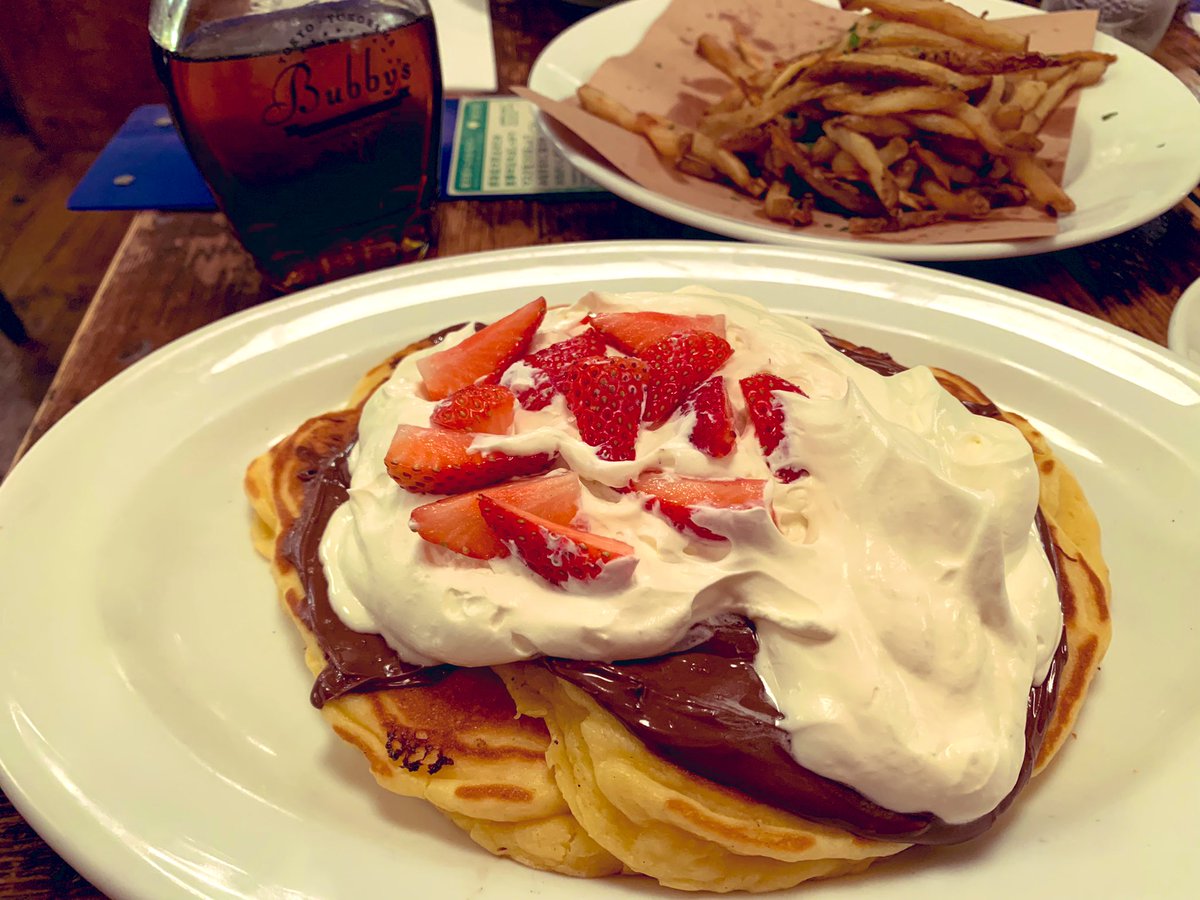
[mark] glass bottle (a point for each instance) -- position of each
(316, 124)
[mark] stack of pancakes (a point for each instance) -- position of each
(535, 769)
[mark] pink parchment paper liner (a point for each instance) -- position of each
(664, 75)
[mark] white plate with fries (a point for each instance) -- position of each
(1134, 153)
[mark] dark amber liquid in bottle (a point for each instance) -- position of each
(318, 130)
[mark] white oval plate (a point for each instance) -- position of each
(1134, 154)
(156, 727)
(1183, 333)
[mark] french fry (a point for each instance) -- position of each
(948, 19)
(974, 61)
(823, 151)
(732, 99)
(981, 126)
(1025, 97)
(1045, 192)
(1004, 194)
(1028, 93)
(729, 63)
(893, 151)
(1020, 140)
(750, 56)
(804, 211)
(960, 174)
(991, 100)
(1053, 96)
(1008, 117)
(669, 140)
(880, 68)
(779, 205)
(937, 166)
(1092, 68)
(905, 172)
(843, 165)
(790, 72)
(1051, 74)
(876, 126)
(874, 31)
(690, 165)
(965, 204)
(605, 107)
(706, 149)
(899, 222)
(895, 101)
(939, 123)
(865, 154)
(964, 151)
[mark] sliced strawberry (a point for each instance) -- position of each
(456, 522)
(552, 363)
(486, 408)
(713, 432)
(767, 415)
(607, 395)
(676, 498)
(484, 355)
(555, 552)
(678, 364)
(433, 461)
(634, 332)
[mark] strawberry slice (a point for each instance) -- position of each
(484, 355)
(456, 522)
(713, 432)
(556, 552)
(634, 332)
(487, 408)
(767, 415)
(676, 498)
(607, 395)
(552, 363)
(433, 461)
(678, 364)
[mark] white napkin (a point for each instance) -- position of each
(464, 30)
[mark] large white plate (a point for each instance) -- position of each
(1183, 334)
(156, 726)
(1134, 153)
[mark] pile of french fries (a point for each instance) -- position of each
(918, 113)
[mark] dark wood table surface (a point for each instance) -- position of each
(175, 272)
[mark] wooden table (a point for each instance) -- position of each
(176, 272)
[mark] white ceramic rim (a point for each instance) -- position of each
(1183, 332)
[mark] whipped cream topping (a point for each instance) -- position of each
(903, 601)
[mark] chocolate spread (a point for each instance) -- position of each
(700, 706)
(705, 709)
(356, 662)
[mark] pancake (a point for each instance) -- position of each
(534, 768)
(457, 742)
(689, 833)
(1083, 575)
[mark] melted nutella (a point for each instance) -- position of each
(355, 662)
(701, 706)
